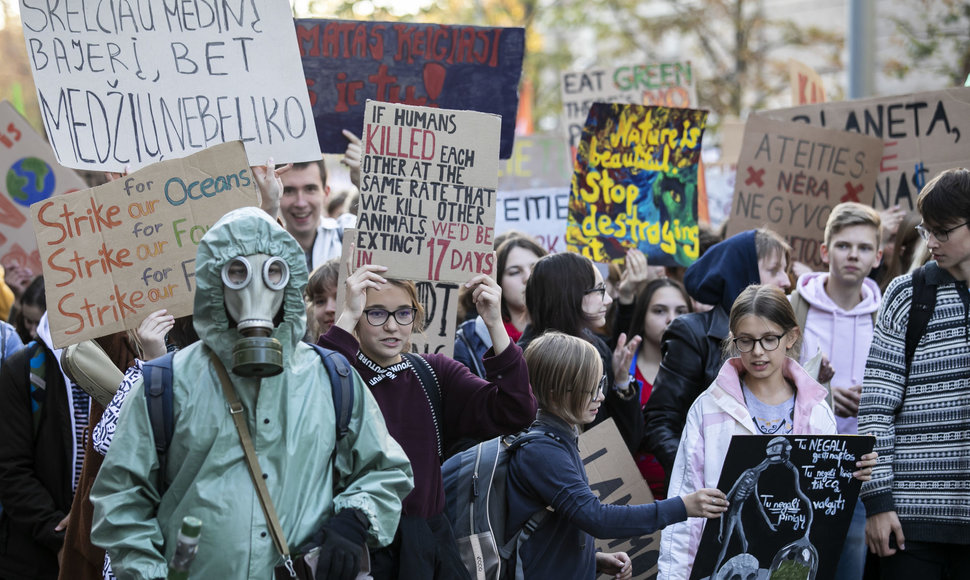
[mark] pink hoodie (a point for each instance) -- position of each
(843, 337)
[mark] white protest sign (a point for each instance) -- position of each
(28, 174)
(666, 84)
(427, 192)
(135, 82)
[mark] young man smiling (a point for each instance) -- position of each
(835, 311)
(916, 504)
(302, 207)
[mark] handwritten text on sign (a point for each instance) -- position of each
(28, 174)
(922, 134)
(131, 83)
(635, 184)
(790, 176)
(427, 207)
(662, 84)
(115, 253)
(433, 65)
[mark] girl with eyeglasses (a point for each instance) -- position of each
(567, 375)
(761, 391)
(373, 330)
(567, 293)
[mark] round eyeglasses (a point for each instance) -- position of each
(941, 235)
(379, 316)
(768, 342)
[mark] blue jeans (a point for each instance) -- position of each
(852, 563)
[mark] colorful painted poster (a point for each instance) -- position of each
(533, 191)
(444, 66)
(133, 83)
(922, 135)
(117, 252)
(662, 84)
(635, 184)
(29, 174)
(791, 500)
(427, 192)
(790, 176)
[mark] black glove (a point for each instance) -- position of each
(343, 539)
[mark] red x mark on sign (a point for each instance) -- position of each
(755, 176)
(851, 192)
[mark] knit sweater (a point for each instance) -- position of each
(921, 423)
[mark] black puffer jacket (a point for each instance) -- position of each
(691, 351)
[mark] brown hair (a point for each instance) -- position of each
(300, 166)
(768, 243)
(502, 257)
(412, 291)
(850, 214)
(564, 371)
(646, 295)
(766, 301)
(945, 199)
(323, 280)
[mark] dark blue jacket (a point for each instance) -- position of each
(549, 472)
(472, 341)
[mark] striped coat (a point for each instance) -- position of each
(921, 423)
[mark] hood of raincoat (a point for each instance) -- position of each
(244, 232)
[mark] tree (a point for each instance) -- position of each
(936, 36)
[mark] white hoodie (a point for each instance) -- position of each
(843, 337)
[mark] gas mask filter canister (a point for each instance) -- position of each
(254, 286)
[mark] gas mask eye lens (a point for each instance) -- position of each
(276, 273)
(237, 273)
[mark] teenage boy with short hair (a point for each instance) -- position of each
(836, 310)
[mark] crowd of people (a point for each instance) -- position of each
(287, 422)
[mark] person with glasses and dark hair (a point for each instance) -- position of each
(566, 292)
(915, 401)
(374, 330)
(761, 391)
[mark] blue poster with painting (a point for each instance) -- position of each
(456, 67)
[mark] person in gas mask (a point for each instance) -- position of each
(250, 317)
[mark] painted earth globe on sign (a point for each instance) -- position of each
(30, 180)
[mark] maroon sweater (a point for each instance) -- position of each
(471, 407)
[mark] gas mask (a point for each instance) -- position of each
(253, 287)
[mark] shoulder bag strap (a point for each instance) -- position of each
(239, 418)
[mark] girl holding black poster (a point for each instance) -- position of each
(762, 391)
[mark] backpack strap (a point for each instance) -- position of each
(513, 545)
(801, 307)
(37, 364)
(429, 382)
(157, 376)
(341, 386)
(920, 311)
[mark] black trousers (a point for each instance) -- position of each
(422, 548)
(927, 561)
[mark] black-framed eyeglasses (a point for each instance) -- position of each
(600, 389)
(601, 288)
(379, 316)
(768, 342)
(940, 235)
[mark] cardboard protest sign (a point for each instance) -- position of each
(615, 479)
(427, 192)
(922, 134)
(133, 83)
(435, 65)
(791, 176)
(30, 174)
(439, 300)
(533, 191)
(635, 184)
(115, 253)
(663, 84)
(806, 84)
(792, 499)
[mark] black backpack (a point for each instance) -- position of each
(158, 396)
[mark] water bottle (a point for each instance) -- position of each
(185, 548)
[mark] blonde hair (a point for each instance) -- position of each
(412, 292)
(564, 371)
(850, 214)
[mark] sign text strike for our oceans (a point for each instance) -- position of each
(134, 82)
(118, 252)
(427, 203)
